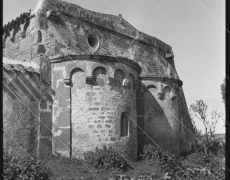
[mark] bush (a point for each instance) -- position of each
(195, 164)
(24, 168)
(152, 154)
(166, 160)
(213, 147)
(106, 158)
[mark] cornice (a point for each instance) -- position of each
(162, 79)
(122, 60)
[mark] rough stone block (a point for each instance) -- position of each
(95, 131)
(109, 121)
(113, 139)
(99, 126)
(94, 108)
(45, 147)
(46, 124)
(97, 103)
(90, 126)
(110, 131)
(107, 125)
(105, 108)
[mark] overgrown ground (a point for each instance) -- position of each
(105, 163)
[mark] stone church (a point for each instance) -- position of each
(74, 80)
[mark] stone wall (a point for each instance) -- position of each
(162, 114)
(27, 106)
(187, 132)
(166, 118)
(87, 110)
(82, 95)
(20, 110)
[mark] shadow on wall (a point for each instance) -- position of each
(158, 125)
(20, 132)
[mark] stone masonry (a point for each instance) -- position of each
(75, 80)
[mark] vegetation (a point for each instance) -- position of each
(204, 162)
(107, 159)
(106, 163)
(24, 168)
(206, 141)
(222, 88)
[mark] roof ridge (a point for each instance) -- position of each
(18, 67)
(109, 21)
(16, 64)
(16, 22)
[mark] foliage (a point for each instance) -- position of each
(222, 88)
(168, 161)
(59, 159)
(195, 165)
(72, 168)
(199, 110)
(24, 168)
(106, 158)
(155, 164)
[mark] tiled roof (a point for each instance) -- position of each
(8, 64)
(16, 22)
(18, 67)
(114, 23)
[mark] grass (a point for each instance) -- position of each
(151, 168)
(65, 169)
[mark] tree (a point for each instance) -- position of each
(199, 110)
(197, 132)
(222, 88)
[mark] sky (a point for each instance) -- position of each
(195, 29)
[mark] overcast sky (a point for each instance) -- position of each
(194, 29)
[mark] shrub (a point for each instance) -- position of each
(214, 146)
(166, 160)
(57, 159)
(24, 168)
(152, 154)
(106, 158)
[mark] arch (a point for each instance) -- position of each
(133, 81)
(119, 75)
(75, 70)
(26, 26)
(5, 37)
(79, 81)
(99, 75)
(177, 92)
(15, 30)
(124, 124)
(151, 88)
(166, 92)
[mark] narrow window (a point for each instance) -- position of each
(99, 76)
(166, 92)
(132, 79)
(124, 124)
(119, 75)
(152, 88)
